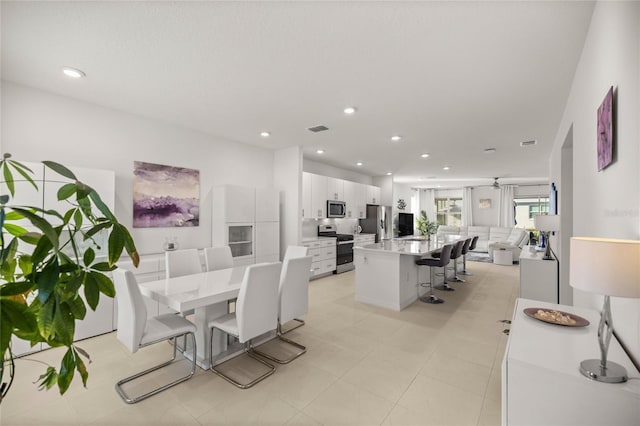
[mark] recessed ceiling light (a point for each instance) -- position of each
(425, 155)
(265, 134)
(349, 110)
(320, 151)
(389, 173)
(489, 150)
(396, 138)
(72, 72)
(359, 163)
(446, 168)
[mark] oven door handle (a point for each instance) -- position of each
(345, 242)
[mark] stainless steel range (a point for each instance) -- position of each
(344, 247)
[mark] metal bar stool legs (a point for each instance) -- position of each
(431, 297)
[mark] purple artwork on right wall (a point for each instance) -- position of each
(605, 131)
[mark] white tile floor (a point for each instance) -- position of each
(426, 365)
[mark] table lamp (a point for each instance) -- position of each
(612, 268)
(547, 223)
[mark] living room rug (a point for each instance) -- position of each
(478, 257)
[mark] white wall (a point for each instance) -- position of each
(310, 166)
(606, 203)
(38, 126)
(287, 176)
(489, 216)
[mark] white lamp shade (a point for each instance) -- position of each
(546, 222)
(605, 266)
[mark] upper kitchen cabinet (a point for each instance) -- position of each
(307, 213)
(335, 189)
(373, 195)
(267, 205)
(355, 195)
(232, 203)
(319, 185)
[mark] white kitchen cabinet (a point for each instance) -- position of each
(307, 212)
(373, 195)
(323, 254)
(318, 196)
(267, 242)
(350, 199)
(234, 203)
(267, 205)
(541, 381)
(538, 277)
(335, 189)
(364, 239)
(361, 194)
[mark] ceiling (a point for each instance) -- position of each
(451, 78)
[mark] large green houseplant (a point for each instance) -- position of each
(43, 272)
(425, 226)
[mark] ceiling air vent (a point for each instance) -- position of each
(316, 129)
(528, 143)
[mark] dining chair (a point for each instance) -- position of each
(135, 331)
(295, 251)
(434, 262)
(256, 313)
(293, 301)
(216, 258)
(291, 253)
(178, 263)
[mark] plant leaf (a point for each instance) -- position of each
(48, 379)
(67, 368)
(24, 171)
(95, 197)
(91, 291)
(47, 279)
(77, 219)
(103, 267)
(64, 324)
(96, 229)
(89, 256)
(77, 307)
(8, 178)
(45, 318)
(31, 237)
(66, 191)
(15, 288)
(14, 230)
(104, 284)
(130, 246)
(116, 245)
(60, 169)
(81, 368)
(41, 224)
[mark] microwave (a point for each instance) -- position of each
(336, 208)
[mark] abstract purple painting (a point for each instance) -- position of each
(605, 131)
(165, 196)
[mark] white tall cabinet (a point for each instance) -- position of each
(248, 221)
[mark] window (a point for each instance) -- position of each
(449, 211)
(527, 208)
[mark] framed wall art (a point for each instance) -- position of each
(605, 131)
(165, 196)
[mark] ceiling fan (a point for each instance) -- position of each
(496, 185)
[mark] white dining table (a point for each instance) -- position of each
(207, 293)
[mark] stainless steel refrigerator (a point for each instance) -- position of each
(379, 221)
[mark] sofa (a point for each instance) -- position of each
(491, 238)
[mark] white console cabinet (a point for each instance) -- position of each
(538, 277)
(541, 381)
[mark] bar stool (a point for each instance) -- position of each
(465, 250)
(434, 262)
(455, 254)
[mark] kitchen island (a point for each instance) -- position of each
(386, 273)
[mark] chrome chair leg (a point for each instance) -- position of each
(300, 324)
(133, 400)
(249, 350)
(464, 266)
(431, 297)
(279, 336)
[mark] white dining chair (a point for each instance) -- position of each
(295, 251)
(135, 331)
(291, 253)
(216, 258)
(178, 263)
(256, 313)
(293, 295)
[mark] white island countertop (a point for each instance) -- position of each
(414, 246)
